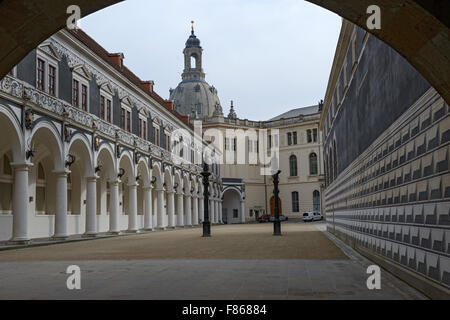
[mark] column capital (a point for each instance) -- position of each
(92, 178)
(61, 173)
(133, 184)
(114, 181)
(149, 187)
(180, 193)
(21, 165)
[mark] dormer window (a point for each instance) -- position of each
(106, 103)
(125, 115)
(47, 69)
(80, 88)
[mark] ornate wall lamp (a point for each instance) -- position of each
(121, 173)
(98, 168)
(153, 180)
(70, 160)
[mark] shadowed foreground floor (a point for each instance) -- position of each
(253, 241)
(239, 262)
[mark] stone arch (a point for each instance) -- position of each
(48, 138)
(106, 158)
(231, 206)
(157, 173)
(11, 133)
(168, 179)
(143, 172)
(80, 147)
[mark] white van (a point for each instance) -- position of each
(312, 216)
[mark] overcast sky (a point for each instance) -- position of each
(269, 56)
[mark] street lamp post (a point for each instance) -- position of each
(276, 222)
(206, 222)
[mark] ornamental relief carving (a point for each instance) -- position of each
(11, 86)
(74, 60)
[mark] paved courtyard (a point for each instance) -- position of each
(238, 262)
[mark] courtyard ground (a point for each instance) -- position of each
(237, 262)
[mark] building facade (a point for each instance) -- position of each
(246, 193)
(386, 143)
(86, 148)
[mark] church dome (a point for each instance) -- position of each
(193, 41)
(196, 97)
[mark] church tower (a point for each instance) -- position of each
(193, 96)
(193, 58)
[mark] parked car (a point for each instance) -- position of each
(317, 216)
(264, 218)
(312, 216)
(282, 218)
(308, 216)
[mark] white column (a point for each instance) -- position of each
(171, 208)
(242, 211)
(201, 209)
(220, 212)
(187, 209)
(132, 207)
(160, 213)
(211, 211)
(114, 207)
(216, 204)
(148, 209)
(61, 205)
(180, 212)
(91, 206)
(155, 208)
(20, 203)
(195, 210)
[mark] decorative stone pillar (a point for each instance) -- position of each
(195, 210)
(91, 206)
(160, 213)
(180, 212)
(242, 211)
(188, 210)
(132, 207)
(61, 206)
(148, 209)
(114, 207)
(20, 203)
(171, 208)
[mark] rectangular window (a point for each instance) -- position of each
(234, 143)
(235, 213)
(140, 128)
(227, 143)
(52, 80)
(122, 118)
(41, 75)
(128, 114)
(250, 145)
(144, 130)
(269, 141)
(102, 107)
(294, 137)
(295, 204)
(289, 138)
(76, 89)
(315, 135)
(108, 111)
(84, 97)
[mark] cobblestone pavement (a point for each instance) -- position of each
(238, 262)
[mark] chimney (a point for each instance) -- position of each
(169, 104)
(148, 85)
(117, 58)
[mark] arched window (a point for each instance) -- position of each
(335, 173)
(316, 200)
(313, 164)
(295, 203)
(293, 166)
